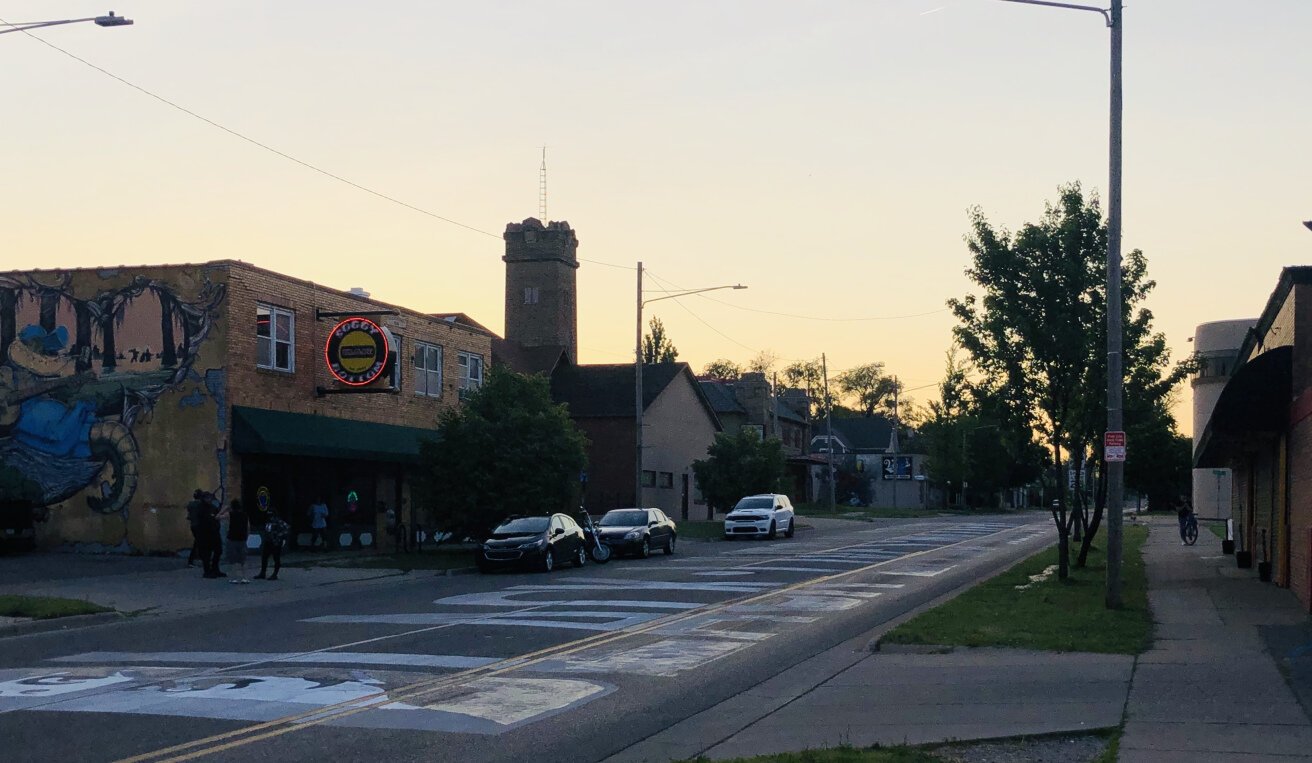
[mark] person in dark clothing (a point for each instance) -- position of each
(194, 508)
(210, 537)
(272, 535)
(238, 532)
(1182, 512)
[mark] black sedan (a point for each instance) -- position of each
(536, 542)
(638, 531)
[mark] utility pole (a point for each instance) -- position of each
(896, 476)
(829, 431)
(1115, 374)
(637, 401)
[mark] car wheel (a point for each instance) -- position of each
(580, 557)
(549, 561)
(773, 533)
(669, 546)
(792, 522)
(645, 550)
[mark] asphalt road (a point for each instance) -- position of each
(574, 665)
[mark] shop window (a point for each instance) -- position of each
(665, 479)
(428, 369)
(648, 478)
(471, 371)
(275, 338)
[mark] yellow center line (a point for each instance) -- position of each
(280, 726)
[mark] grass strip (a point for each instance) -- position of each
(844, 755)
(1028, 607)
(46, 607)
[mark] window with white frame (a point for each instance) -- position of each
(428, 369)
(275, 338)
(471, 371)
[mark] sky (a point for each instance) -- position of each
(822, 153)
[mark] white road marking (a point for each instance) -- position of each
(663, 658)
(511, 701)
(322, 658)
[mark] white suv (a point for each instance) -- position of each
(767, 514)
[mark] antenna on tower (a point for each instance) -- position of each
(542, 189)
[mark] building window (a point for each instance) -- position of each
(275, 338)
(666, 479)
(530, 295)
(648, 478)
(471, 371)
(428, 369)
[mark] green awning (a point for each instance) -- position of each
(255, 430)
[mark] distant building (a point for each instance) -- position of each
(1217, 345)
(782, 414)
(868, 468)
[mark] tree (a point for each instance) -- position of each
(739, 465)
(656, 346)
(808, 375)
(763, 362)
(725, 370)
(1038, 335)
(507, 450)
(870, 386)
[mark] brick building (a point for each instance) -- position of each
(1261, 429)
(123, 389)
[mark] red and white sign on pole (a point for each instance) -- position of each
(1113, 446)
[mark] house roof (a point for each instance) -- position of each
(528, 360)
(868, 433)
(722, 396)
(606, 390)
(786, 412)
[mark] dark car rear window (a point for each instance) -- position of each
(523, 525)
(624, 518)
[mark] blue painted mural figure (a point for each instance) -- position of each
(67, 407)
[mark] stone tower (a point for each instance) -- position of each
(541, 285)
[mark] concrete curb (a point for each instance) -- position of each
(58, 624)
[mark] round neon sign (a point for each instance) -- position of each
(356, 352)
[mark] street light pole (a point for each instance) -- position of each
(110, 20)
(637, 375)
(1115, 372)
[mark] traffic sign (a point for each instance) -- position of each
(1113, 446)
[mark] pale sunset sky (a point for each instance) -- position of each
(823, 153)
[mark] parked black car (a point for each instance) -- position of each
(638, 531)
(541, 542)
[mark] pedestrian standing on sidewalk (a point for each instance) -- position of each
(238, 532)
(272, 535)
(211, 537)
(194, 509)
(319, 523)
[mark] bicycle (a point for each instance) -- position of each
(1190, 529)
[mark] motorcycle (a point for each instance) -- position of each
(597, 551)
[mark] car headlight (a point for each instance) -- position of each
(633, 535)
(539, 543)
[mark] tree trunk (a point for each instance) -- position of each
(108, 358)
(1099, 503)
(1059, 514)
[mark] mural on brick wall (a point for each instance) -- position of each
(77, 370)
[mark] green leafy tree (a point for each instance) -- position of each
(656, 346)
(1038, 334)
(808, 375)
(507, 450)
(870, 388)
(723, 369)
(763, 362)
(739, 465)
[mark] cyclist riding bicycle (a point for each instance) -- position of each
(1184, 513)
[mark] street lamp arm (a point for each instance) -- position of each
(110, 20)
(1105, 13)
(692, 291)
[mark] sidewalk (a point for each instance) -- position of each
(1209, 689)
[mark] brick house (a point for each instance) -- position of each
(1261, 429)
(678, 427)
(138, 385)
(751, 401)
